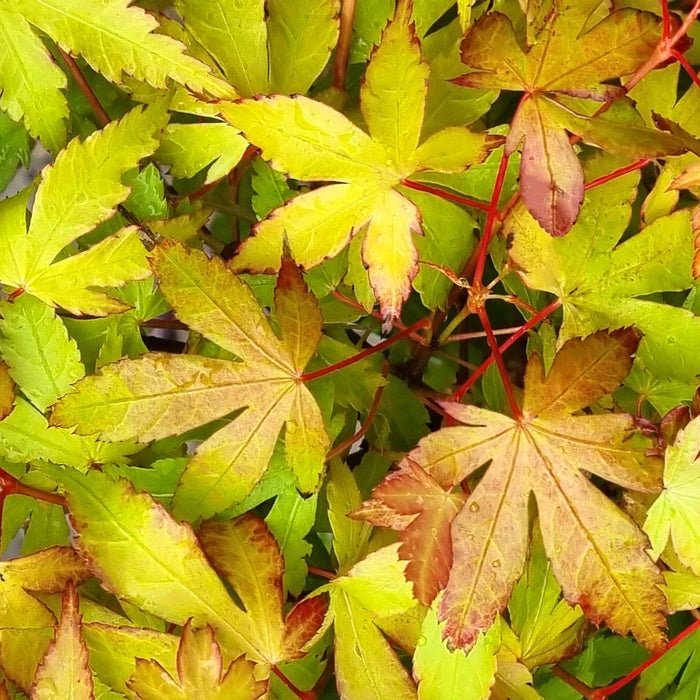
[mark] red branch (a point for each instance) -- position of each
(602, 693)
(366, 353)
(464, 388)
(444, 194)
(498, 357)
(490, 220)
(688, 68)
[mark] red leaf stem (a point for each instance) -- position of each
(688, 68)
(667, 20)
(496, 354)
(617, 173)
(366, 353)
(321, 572)
(303, 694)
(366, 425)
(464, 388)
(491, 219)
(602, 693)
(9, 485)
(445, 194)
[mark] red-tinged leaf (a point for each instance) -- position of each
(570, 54)
(245, 552)
(389, 252)
(302, 624)
(27, 624)
(199, 673)
(425, 541)
(65, 671)
(159, 394)
(551, 176)
(168, 574)
(597, 552)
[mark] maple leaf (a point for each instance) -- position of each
(245, 552)
(159, 395)
(27, 624)
(80, 190)
(64, 671)
(362, 602)
(565, 56)
(199, 671)
(599, 279)
(675, 514)
(596, 550)
(114, 38)
(411, 501)
(286, 46)
(309, 140)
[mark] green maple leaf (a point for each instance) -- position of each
(599, 279)
(675, 514)
(286, 46)
(247, 555)
(565, 57)
(41, 357)
(64, 671)
(310, 141)
(199, 673)
(362, 602)
(27, 624)
(597, 552)
(160, 395)
(79, 191)
(115, 39)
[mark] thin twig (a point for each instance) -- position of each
(574, 682)
(85, 88)
(342, 51)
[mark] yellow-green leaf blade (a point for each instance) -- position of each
(30, 81)
(389, 252)
(155, 396)
(64, 671)
(227, 465)
(247, 555)
(168, 574)
(454, 148)
(316, 224)
(675, 514)
(300, 38)
(307, 140)
(112, 262)
(298, 315)
(210, 299)
(394, 90)
(84, 185)
(236, 36)
(41, 357)
(117, 40)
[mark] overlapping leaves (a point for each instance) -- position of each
(310, 141)
(600, 280)
(114, 38)
(597, 552)
(572, 51)
(160, 395)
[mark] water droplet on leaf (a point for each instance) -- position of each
(474, 507)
